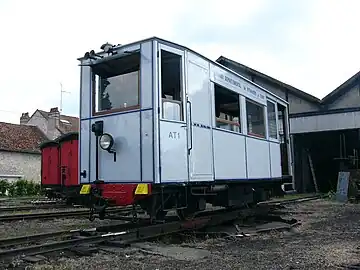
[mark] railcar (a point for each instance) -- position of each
(165, 128)
(59, 168)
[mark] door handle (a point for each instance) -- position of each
(190, 123)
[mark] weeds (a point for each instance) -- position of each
(18, 188)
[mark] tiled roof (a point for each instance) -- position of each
(20, 138)
(72, 127)
(44, 113)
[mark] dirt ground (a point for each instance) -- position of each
(327, 238)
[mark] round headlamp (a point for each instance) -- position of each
(106, 141)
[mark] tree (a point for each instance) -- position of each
(105, 103)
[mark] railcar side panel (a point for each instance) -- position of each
(85, 93)
(200, 110)
(275, 158)
(258, 158)
(173, 152)
(229, 156)
(84, 151)
(236, 84)
(147, 141)
(125, 167)
(146, 100)
(146, 75)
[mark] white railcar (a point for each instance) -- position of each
(164, 127)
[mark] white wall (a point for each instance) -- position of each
(28, 165)
(327, 122)
(38, 120)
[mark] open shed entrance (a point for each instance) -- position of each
(330, 152)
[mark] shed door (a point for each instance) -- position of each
(173, 117)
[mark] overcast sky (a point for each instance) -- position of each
(310, 44)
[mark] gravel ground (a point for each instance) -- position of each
(327, 237)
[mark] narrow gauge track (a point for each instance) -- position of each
(291, 201)
(126, 233)
(36, 207)
(58, 214)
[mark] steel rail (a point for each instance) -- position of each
(26, 239)
(35, 207)
(290, 201)
(127, 233)
(133, 234)
(56, 214)
(34, 237)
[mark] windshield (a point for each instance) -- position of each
(116, 84)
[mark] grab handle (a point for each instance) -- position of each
(191, 127)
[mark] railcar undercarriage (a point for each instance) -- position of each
(186, 200)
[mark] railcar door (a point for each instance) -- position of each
(198, 91)
(173, 127)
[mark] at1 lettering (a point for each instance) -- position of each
(174, 135)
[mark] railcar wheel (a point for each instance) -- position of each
(185, 214)
(160, 215)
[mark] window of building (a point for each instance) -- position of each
(271, 116)
(227, 109)
(171, 86)
(255, 119)
(116, 84)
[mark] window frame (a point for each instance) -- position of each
(276, 120)
(183, 101)
(264, 113)
(115, 110)
(225, 121)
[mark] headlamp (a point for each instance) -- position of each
(106, 141)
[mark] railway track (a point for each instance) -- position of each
(60, 214)
(125, 233)
(291, 201)
(35, 207)
(122, 233)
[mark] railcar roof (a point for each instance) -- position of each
(173, 44)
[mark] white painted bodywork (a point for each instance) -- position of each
(152, 149)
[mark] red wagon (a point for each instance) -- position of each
(50, 170)
(59, 167)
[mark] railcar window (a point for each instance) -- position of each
(271, 114)
(281, 123)
(227, 109)
(171, 86)
(255, 119)
(116, 84)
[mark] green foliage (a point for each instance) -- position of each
(4, 186)
(21, 187)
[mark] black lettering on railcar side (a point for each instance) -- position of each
(174, 135)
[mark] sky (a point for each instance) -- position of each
(312, 45)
